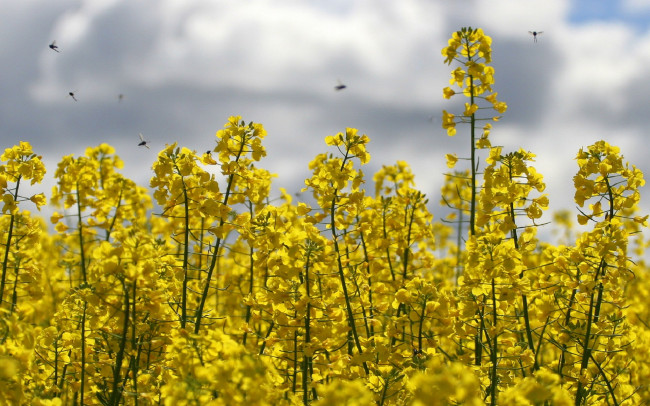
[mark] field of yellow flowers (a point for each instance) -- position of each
(221, 295)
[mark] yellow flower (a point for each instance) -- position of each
(38, 199)
(451, 160)
(448, 123)
(470, 109)
(447, 92)
(346, 393)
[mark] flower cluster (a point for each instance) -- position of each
(472, 49)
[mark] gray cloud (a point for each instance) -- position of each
(184, 67)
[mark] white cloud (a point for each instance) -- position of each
(514, 18)
(600, 61)
(260, 45)
(632, 6)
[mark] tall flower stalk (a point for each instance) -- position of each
(471, 48)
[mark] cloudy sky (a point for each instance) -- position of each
(185, 66)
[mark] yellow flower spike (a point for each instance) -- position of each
(473, 53)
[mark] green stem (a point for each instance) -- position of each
(307, 360)
(515, 239)
(81, 239)
(586, 352)
(115, 215)
(478, 343)
(268, 333)
(459, 239)
(610, 389)
(384, 391)
(5, 262)
(83, 352)
(472, 218)
(251, 275)
(385, 203)
(116, 394)
(493, 353)
(348, 305)
(217, 245)
(371, 315)
(594, 306)
(186, 249)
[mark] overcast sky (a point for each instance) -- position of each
(185, 66)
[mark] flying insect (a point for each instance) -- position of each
(54, 47)
(535, 34)
(143, 142)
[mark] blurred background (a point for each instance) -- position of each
(175, 70)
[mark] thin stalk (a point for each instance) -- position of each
(421, 323)
(116, 394)
(81, 239)
(371, 315)
(385, 232)
(217, 246)
(472, 218)
(251, 275)
(478, 345)
(268, 333)
(294, 380)
(56, 361)
(117, 208)
(186, 241)
(307, 360)
(384, 391)
(515, 239)
(610, 389)
(405, 259)
(594, 307)
(337, 250)
(586, 352)
(83, 352)
(348, 305)
(493, 352)
(458, 242)
(135, 360)
(5, 262)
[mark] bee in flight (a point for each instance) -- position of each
(143, 142)
(71, 94)
(120, 97)
(54, 47)
(535, 34)
(339, 86)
